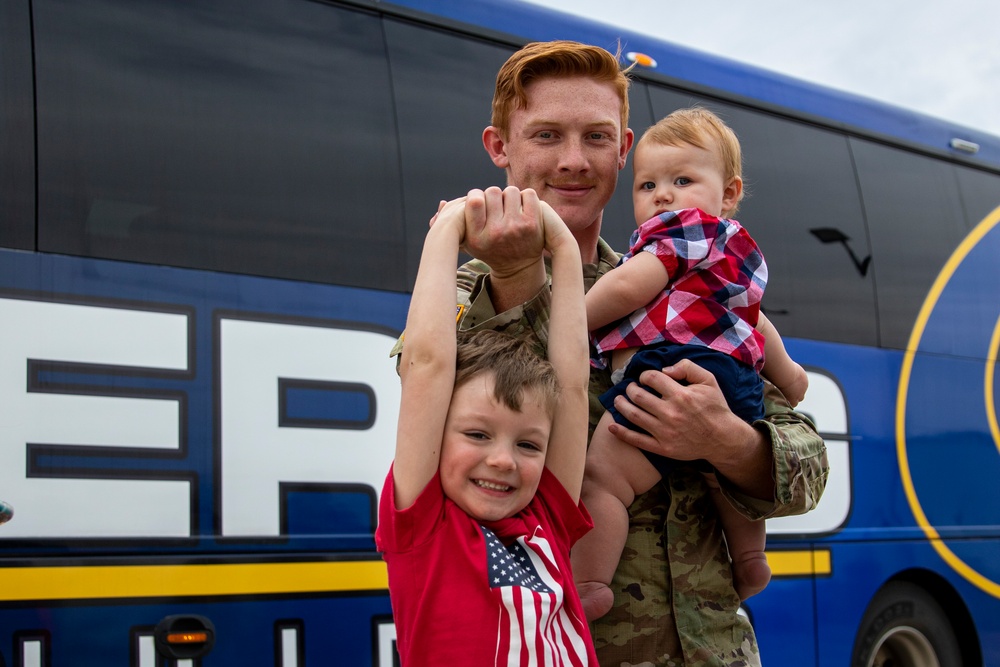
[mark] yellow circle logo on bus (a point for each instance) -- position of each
(947, 394)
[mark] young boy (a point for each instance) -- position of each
(689, 288)
(481, 505)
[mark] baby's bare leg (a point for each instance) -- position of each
(746, 540)
(615, 474)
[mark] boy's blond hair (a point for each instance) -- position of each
(512, 363)
(700, 127)
(560, 58)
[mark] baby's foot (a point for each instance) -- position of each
(751, 574)
(596, 597)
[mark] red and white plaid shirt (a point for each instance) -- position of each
(717, 279)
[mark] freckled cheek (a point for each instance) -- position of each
(527, 173)
(540, 164)
(609, 176)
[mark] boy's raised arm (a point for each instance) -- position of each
(427, 366)
(569, 354)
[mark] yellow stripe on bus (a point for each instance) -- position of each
(143, 581)
(19, 584)
(800, 563)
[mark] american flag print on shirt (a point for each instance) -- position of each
(534, 628)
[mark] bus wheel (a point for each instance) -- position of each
(904, 626)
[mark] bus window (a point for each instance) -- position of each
(443, 85)
(980, 193)
(826, 405)
(280, 167)
(915, 219)
(815, 288)
(17, 161)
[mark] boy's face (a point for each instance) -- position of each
(568, 145)
(492, 457)
(671, 178)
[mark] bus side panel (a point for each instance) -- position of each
(783, 621)
(864, 530)
(280, 632)
(302, 498)
(839, 614)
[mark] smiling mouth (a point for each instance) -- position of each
(572, 188)
(491, 486)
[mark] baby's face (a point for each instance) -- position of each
(671, 178)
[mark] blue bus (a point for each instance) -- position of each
(210, 217)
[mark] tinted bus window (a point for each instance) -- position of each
(267, 132)
(915, 218)
(808, 222)
(17, 162)
(443, 86)
(980, 193)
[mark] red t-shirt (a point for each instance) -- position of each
(475, 593)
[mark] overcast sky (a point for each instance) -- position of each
(940, 58)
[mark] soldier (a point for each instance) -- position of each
(560, 127)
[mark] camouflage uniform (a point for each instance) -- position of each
(674, 597)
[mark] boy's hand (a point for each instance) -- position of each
(503, 228)
(452, 213)
(555, 231)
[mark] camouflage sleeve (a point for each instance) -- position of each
(800, 468)
(529, 320)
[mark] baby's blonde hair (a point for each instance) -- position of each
(700, 127)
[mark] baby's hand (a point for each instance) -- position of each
(502, 228)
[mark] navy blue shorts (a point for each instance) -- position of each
(740, 384)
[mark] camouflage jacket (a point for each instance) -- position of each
(674, 599)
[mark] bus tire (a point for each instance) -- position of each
(904, 626)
